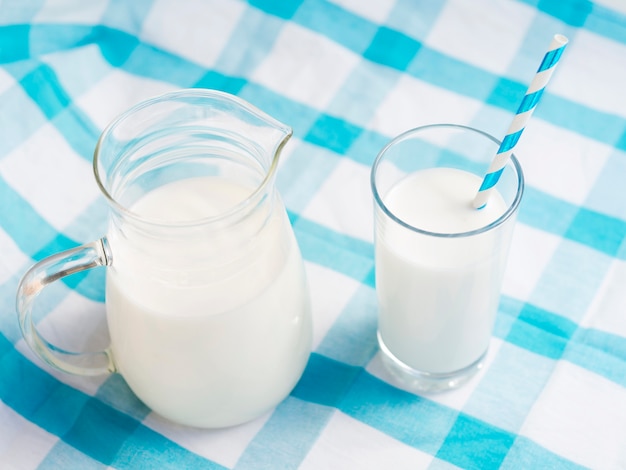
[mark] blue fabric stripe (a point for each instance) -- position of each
(546, 212)
(541, 332)
(344, 254)
(572, 268)
(101, 442)
(526, 453)
(337, 24)
(588, 122)
(299, 116)
(283, 439)
(28, 390)
(517, 391)
(600, 231)
(603, 23)
(556, 337)
(77, 130)
(356, 326)
(62, 453)
(574, 13)
(621, 142)
(254, 27)
(334, 134)
(599, 352)
(365, 148)
(392, 48)
(150, 62)
(48, 38)
(298, 192)
(42, 85)
(5, 346)
(325, 381)
(146, 448)
(14, 42)
(443, 71)
(284, 10)
(221, 82)
(508, 311)
(116, 46)
(18, 218)
(414, 420)
(116, 393)
(506, 94)
(472, 443)
(415, 18)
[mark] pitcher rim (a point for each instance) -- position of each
(195, 93)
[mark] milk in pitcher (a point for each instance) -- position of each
(234, 337)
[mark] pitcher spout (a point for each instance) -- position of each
(253, 127)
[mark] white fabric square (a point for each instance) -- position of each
(608, 309)
(116, 93)
(12, 259)
(588, 68)
(223, 446)
(413, 103)
(344, 202)
(47, 173)
(348, 443)
(22, 443)
(70, 11)
(572, 418)
(195, 29)
(531, 251)
(305, 66)
(560, 162)
(377, 11)
(330, 292)
(480, 36)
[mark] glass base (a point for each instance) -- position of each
(427, 382)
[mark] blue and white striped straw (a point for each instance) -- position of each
(525, 110)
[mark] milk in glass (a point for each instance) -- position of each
(437, 300)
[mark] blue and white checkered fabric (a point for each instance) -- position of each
(347, 76)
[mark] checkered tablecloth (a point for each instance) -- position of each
(347, 75)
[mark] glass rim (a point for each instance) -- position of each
(511, 208)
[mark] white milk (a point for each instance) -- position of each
(438, 296)
(214, 330)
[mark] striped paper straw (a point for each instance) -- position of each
(525, 110)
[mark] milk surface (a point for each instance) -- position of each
(438, 296)
(213, 329)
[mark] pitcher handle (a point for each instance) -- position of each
(45, 272)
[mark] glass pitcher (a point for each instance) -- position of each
(206, 298)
